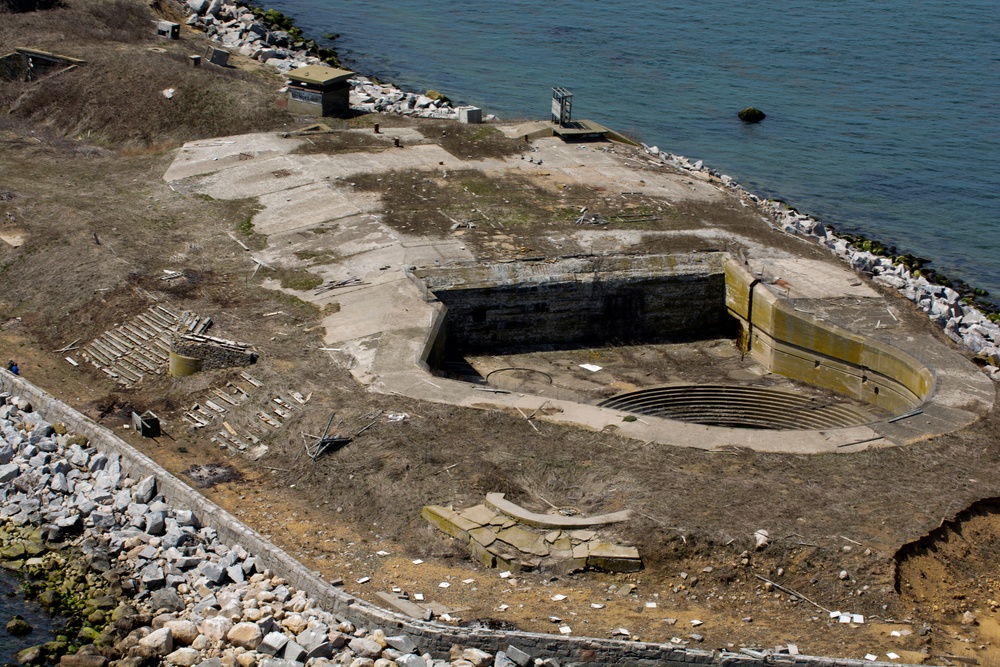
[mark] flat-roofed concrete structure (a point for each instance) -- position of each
(318, 90)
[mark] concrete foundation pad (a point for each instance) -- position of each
(385, 330)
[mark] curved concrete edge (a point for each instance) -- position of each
(397, 363)
(417, 383)
(500, 504)
(801, 346)
(434, 638)
(915, 371)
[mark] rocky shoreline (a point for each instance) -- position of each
(144, 582)
(241, 29)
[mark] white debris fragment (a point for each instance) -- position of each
(871, 656)
(559, 597)
(593, 368)
(444, 584)
(565, 629)
(364, 580)
(892, 656)
(761, 538)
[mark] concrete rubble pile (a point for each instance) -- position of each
(198, 601)
(962, 322)
(238, 31)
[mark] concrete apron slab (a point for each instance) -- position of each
(384, 330)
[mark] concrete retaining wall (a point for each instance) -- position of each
(797, 345)
(431, 637)
(580, 301)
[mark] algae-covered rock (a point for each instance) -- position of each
(48, 598)
(13, 551)
(18, 627)
(33, 655)
(438, 97)
(752, 115)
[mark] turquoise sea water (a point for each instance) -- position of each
(883, 115)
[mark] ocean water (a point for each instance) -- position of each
(883, 115)
(12, 602)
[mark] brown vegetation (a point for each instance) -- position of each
(117, 97)
(83, 165)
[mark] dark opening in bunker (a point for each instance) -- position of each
(578, 302)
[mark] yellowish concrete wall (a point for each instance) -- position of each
(802, 347)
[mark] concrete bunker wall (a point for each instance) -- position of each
(431, 637)
(579, 302)
(805, 348)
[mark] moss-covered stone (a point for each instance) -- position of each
(18, 627)
(752, 115)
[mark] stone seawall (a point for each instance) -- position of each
(433, 638)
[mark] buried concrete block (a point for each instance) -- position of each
(483, 536)
(613, 558)
(449, 521)
(482, 554)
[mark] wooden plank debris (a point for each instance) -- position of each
(215, 406)
(268, 420)
(238, 389)
(252, 380)
(336, 284)
(225, 397)
(69, 347)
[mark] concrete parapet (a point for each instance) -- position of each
(803, 347)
